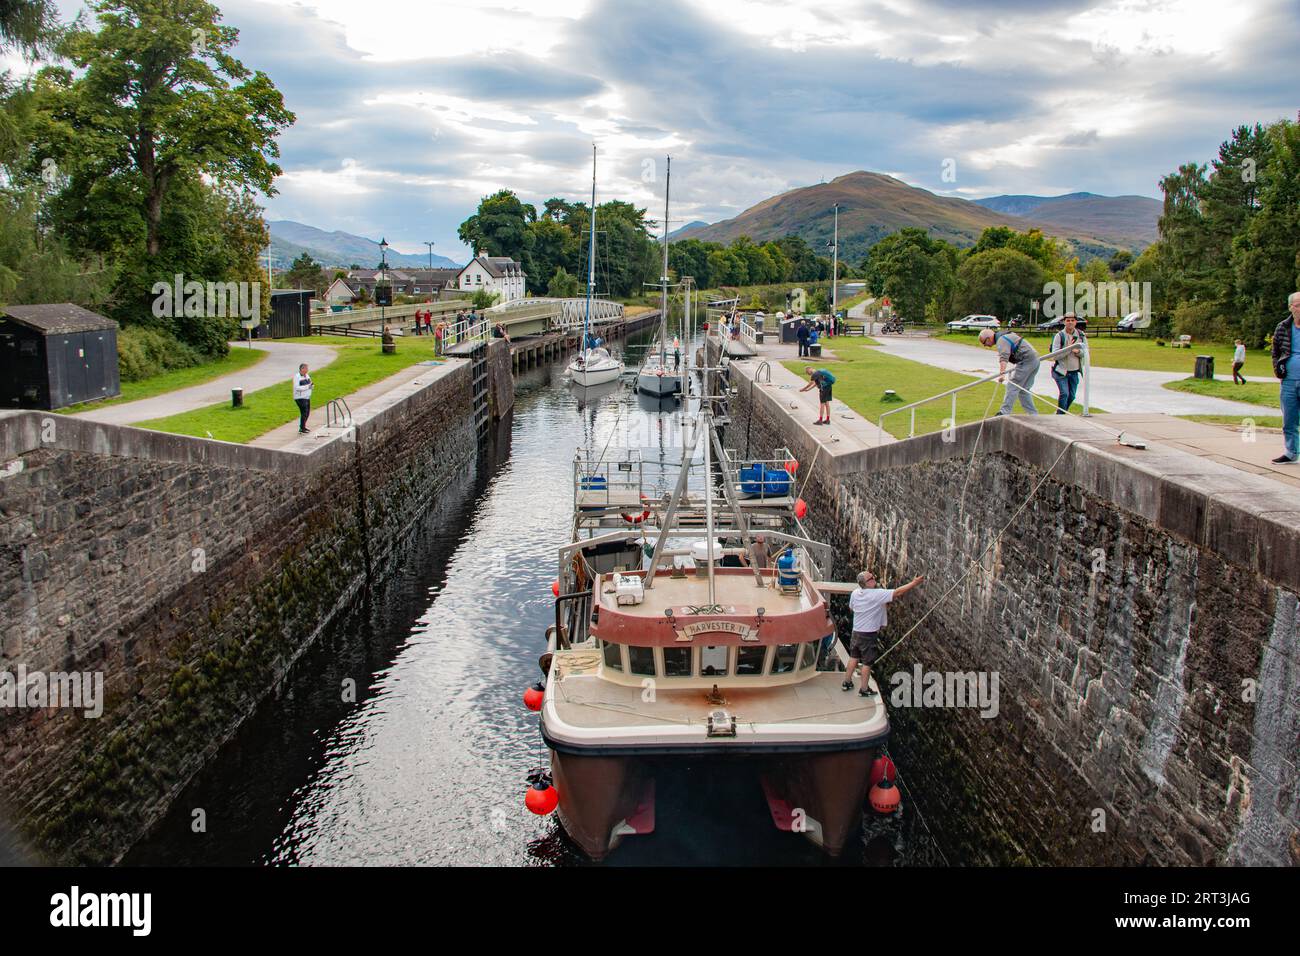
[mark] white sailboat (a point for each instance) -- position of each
(660, 374)
(592, 365)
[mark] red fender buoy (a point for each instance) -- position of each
(800, 508)
(542, 798)
(885, 797)
(555, 588)
(882, 768)
(792, 466)
(534, 695)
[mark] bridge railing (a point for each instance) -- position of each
(952, 393)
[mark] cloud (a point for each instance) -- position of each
(407, 117)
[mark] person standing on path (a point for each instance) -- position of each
(1286, 366)
(302, 386)
(1015, 351)
(822, 380)
(1067, 368)
(801, 334)
(1238, 360)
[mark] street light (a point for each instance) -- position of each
(438, 292)
(383, 277)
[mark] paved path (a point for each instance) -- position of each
(1114, 389)
(364, 403)
(281, 362)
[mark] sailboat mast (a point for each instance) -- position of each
(663, 277)
(835, 266)
(591, 257)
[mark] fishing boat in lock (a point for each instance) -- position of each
(692, 625)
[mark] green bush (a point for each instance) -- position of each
(1202, 321)
(144, 352)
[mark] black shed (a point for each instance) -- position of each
(290, 313)
(56, 355)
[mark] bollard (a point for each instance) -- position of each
(236, 398)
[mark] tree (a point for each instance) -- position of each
(1266, 253)
(305, 273)
(563, 285)
(999, 282)
(160, 98)
(27, 26)
(912, 269)
(500, 227)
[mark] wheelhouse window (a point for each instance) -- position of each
(809, 655)
(613, 656)
(783, 660)
(677, 662)
(749, 660)
(713, 661)
(641, 660)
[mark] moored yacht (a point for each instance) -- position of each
(592, 365)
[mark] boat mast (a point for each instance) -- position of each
(591, 259)
(707, 421)
(663, 278)
(835, 266)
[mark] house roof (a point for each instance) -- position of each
(497, 266)
(57, 317)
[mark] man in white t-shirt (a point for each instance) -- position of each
(869, 604)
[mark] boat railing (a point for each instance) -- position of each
(608, 483)
(952, 393)
(757, 479)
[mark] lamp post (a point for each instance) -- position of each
(383, 277)
(438, 292)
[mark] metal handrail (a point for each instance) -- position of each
(952, 392)
(338, 413)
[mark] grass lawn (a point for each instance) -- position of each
(1261, 421)
(1112, 351)
(239, 358)
(862, 374)
(1257, 393)
(360, 363)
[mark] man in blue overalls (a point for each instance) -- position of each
(1015, 351)
(1286, 366)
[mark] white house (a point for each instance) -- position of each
(495, 274)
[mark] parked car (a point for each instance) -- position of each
(1052, 325)
(1132, 322)
(973, 323)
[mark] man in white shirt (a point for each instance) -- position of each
(869, 604)
(302, 386)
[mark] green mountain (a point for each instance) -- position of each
(872, 205)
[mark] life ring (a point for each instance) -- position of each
(636, 519)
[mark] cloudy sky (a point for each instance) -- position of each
(409, 111)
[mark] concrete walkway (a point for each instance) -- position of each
(371, 399)
(1242, 449)
(848, 431)
(282, 360)
(1114, 389)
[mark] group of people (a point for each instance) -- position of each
(1069, 350)
(807, 333)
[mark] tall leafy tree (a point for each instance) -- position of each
(1000, 282)
(500, 227)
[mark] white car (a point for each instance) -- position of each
(973, 323)
(1132, 322)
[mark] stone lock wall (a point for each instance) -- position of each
(191, 574)
(1139, 607)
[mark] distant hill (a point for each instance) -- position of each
(872, 205)
(697, 224)
(1124, 220)
(290, 239)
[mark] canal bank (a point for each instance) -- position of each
(190, 574)
(1138, 606)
